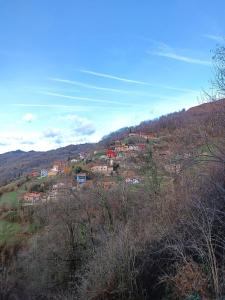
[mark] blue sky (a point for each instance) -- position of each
(72, 71)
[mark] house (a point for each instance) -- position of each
(133, 148)
(59, 166)
(111, 153)
(32, 197)
(82, 155)
(74, 161)
(44, 173)
(102, 169)
(147, 136)
(52, 173)
(99, 168)
(122, 148)
(35, 173)
(58, 186)
(132, 180)
(133, 134)
(81, 178)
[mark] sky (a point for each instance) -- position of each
(72, 71)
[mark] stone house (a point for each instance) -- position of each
(102, 169)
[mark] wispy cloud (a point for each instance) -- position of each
(159, 97)
(52, 133)
(27, 143)
(217, 38)
(138, 82)
(133, 92)
(110, 76)
(165, 50)
(104, 101)
(89, 86)
(29, 117)
(187, 59)
(81, 126)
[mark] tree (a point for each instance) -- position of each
(78, 169)
(219, 63)
(151, 172)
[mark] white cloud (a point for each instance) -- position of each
(165, 50)
(19, 140)
(89, 86)
(217, 38)
(36, 140)
(82, 98)
(110, 76)
(81, 126)
(186, 59)
(132, 92)
(52, 133)
(29, 117)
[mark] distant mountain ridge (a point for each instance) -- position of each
(16, 163)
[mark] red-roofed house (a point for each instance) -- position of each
(111, 153)
(35, 173)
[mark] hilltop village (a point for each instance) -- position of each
(120, 162)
